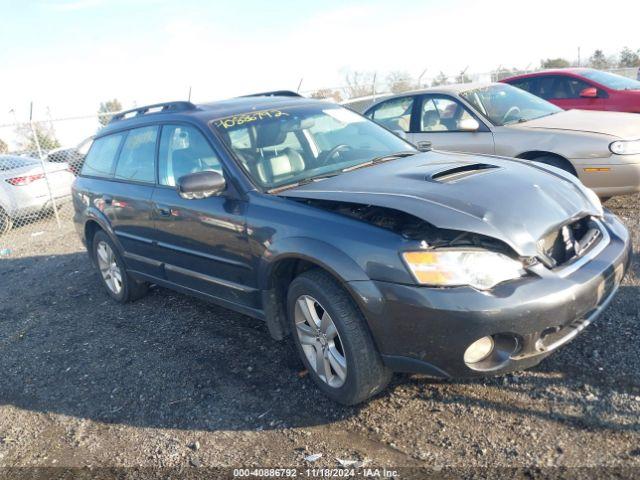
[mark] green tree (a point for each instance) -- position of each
(4, 148)
(629, 58)
(44, 133)
(441, 79)
(599, 61)
(399, 81)
(555, 63)
(107, 107)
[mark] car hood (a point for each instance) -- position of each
(506, 199)
(615, 124)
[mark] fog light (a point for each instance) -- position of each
(479, 350)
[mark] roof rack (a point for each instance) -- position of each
(156, 107)
(275, 93)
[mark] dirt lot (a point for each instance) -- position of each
(172, 381)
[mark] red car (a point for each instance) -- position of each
(582, 88)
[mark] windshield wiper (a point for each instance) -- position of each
(380, 159)
(304, 181)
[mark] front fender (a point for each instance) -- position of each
(323, 254)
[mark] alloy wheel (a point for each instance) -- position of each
(320, 341)
(109, 268)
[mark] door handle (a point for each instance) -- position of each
(163, 211)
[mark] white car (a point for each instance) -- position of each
(24, 191)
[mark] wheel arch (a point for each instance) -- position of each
(95, 221)
(277, 271)
(533, 154)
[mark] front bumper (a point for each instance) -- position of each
(614, 176)
(427, 330)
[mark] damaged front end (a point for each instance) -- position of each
(438, 257)
(448, 258)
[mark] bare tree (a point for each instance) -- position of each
(359, 84)
(42, 136)
(4, 148)
(400, 81)
(106, 107)
(335, 95)
(462, 77)
(441, 79)
(555, 63)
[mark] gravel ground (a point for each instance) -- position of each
(170, 381)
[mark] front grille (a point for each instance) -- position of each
(569, 242)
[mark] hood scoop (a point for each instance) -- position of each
(458, 173)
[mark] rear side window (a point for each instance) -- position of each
(102, 155)
(526, 84)
(137, 158)
(394, 114)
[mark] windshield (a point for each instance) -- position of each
(284, 146)
(504, 104)
(611, 80)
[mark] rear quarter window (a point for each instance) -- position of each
(101, 158)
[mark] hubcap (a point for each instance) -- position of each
(109, 269)
(320, 341)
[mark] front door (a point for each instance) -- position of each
(438, 119)
(202, 243)
(565, 92)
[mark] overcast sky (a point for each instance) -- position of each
(68, 55)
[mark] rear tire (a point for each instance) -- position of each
(120, 286)
(5, 222)
(346, 364)
(557, 162)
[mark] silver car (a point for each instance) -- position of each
(601, 148)
(24, 191)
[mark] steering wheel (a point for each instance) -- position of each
(334, 151)
(512, 111)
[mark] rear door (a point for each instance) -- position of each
(437, 119)
(201, 242)
(126, 199)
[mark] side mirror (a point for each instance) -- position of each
(400, 133)
(469, 125)
(201, 185)
(589, 92)
(424, 146)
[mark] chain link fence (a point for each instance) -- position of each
(39, 161)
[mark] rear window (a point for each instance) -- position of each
(102, 156)
(10, 163)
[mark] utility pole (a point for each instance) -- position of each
(420, 78)
(578, 56)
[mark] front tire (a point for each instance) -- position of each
(333, 339)
(111, 268)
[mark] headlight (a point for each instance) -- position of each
(481, 269)
(625, 147)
